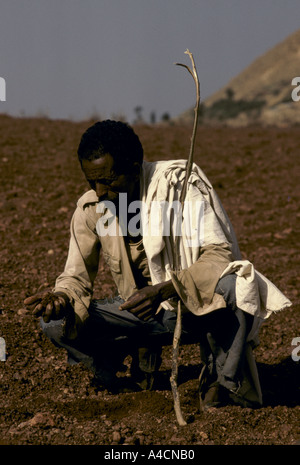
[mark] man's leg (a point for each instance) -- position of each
(143, 340)
(228, 339)
(108, 337)
(223, 337)
(80, 351)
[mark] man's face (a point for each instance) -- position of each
(103, 179)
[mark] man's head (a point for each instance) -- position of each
(115, 138)
(111, 155)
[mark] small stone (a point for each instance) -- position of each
(63, 210)
(22, 311)
(40, 419)
(116, 437)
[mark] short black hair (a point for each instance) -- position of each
(114, 137)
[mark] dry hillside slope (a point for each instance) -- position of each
(261, 93)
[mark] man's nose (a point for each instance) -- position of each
(101, 190)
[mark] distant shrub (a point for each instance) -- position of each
(165, 117)
(226, 108)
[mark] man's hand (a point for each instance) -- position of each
(49, 305)
(145, 302)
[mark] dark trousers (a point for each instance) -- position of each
(110, 335)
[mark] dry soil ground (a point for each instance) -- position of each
(46, 402)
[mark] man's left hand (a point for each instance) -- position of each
(145, 302)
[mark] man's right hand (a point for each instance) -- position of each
(49, 305)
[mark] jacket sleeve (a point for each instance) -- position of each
(81, 268)
(196, 284)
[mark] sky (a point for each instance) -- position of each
(78, 59)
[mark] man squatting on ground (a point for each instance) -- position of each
(142, 317)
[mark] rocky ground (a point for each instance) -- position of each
(43, 400)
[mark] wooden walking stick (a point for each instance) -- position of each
(177, 332)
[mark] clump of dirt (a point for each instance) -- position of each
(44, 400)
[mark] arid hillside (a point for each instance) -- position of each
(261, 93)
